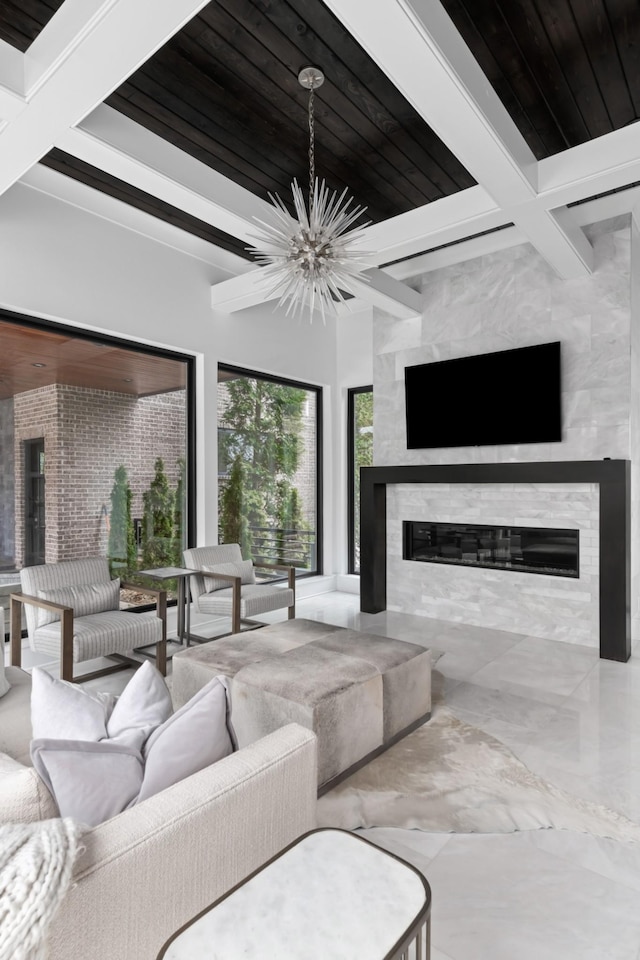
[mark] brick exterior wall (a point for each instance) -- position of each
(7, 484)
(87, 435)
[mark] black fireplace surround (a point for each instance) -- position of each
(523, 549)
(613, 478)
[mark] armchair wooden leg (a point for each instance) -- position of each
(235, 616)
(291, 583)
(16, 632)
(66, 645)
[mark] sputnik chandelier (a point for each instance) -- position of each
(310, 262)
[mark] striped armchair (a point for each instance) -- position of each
(225, 585)
(73, 611)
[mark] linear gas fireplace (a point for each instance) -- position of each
(526, 549)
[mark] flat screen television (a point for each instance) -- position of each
(511, 396)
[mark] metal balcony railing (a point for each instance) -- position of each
(274, 545)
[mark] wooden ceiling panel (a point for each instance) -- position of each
(224, 90)
(566, 70)
(80, 362)
(105, 183)
(22, 20)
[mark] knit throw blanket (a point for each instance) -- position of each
(36, 863)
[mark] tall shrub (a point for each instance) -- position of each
(233, 524)
(157, 521)
(121, 549)
(178, 515)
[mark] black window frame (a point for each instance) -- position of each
(82, 333)
(352, 392)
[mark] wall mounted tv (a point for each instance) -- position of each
(511, 396)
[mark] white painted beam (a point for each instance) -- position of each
(65, 31)
(606, 163)
(239, 293)
(114, 143)
(442, 221)
(558, 238)
(77, 194)
(418, 47)
(456, 253)
(381, 290)
(388, 294)
(82, 74)
(12, 100)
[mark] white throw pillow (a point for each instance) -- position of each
(197, 735)
(90, 782)
(243, 569)
(64, 711)
(97, 757)
(85, 598)
(143, 705)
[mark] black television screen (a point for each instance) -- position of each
(511, 396)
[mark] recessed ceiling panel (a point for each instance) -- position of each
(225, 90)
(566, 70)
(22, 20)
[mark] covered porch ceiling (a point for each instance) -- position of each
(33, 357)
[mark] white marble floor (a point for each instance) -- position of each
(572, 718)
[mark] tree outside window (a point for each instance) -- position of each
(360, 454)
(267, 456)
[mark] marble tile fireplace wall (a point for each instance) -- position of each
(558, 608)
(498, 301)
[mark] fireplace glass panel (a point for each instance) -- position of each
(527, 549)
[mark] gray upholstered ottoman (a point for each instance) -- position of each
(358, 692)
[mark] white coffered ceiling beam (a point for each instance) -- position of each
(239, 293)
(77, 194)
(606, 163)
(12, 100)
(71, 71)
(385, 292)
(379, 289)
(119, 146)
(418, 47)
(442, 221)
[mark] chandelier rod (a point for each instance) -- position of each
(310, 78)
(312, 148)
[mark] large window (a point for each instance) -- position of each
(269, 468)
(359, 454)
(96, 449)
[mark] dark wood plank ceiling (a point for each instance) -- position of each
(566, 70)
(22, 20)
(93, 177)
(225, 91)
(80, 362)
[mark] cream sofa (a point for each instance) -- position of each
(145, 872)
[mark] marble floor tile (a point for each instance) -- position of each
(501, 898)
(553, 666)
(573, 719)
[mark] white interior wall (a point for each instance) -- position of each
(62, 263)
